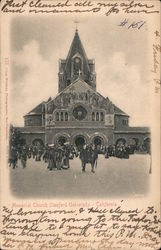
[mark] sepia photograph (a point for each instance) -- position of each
(80, 108)
(80, 125)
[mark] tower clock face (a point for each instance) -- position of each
(79, 113)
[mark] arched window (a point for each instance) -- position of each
(102, 116)
(61, 116)
(50, 119)
(93, 116)
(68, 82)
(66, 116)
(57, 116)
(97, 116)
(77, 66)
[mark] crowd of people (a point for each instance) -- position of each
(58, 156)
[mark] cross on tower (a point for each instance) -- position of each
(76, 22)
(79, 72)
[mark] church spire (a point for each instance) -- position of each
(76, 62)
(76, 49)
(76, 24)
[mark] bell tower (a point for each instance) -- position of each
(76, 65)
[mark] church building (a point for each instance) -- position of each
(79, 114)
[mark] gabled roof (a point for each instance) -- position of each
(118, 111)
(71, 85)
(76, 47)
(37, 110)
(83, 85)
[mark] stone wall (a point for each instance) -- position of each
(106, 134)
(33, 120)
(129, 136)
(31, 137)
(121, 121)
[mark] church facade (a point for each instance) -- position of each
(79, 114)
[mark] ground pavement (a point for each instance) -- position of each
(113, 178)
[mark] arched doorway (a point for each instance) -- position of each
(79, 141)
(135, 143)
(120, 141)
(62, 140)
(146, 145)
(38, 143)
(98, 142)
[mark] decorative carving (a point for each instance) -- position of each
(50, 120)
(70, 98)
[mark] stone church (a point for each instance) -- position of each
(79, 114)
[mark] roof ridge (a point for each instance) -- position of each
(35, 108)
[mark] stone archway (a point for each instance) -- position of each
(99, 139)
(37, 142)
(61, 138)
(79, 141)
(146, 145)
(120, 141)
(82, 134)
(98, 142)
(135, 143)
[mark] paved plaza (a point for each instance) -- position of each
(113, 178)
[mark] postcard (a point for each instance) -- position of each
(80, 125)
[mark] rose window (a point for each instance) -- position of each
(79, 113)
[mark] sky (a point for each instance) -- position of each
(120, 54)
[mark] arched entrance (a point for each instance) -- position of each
(135, 143)
(79, 141)
(146, 145)
(38, 143)
(62, 140)
(120, 141)
(98, 142)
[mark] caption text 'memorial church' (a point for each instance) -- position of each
(79, 114)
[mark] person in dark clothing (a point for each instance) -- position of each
(93, 156)
(84, 157)
(110, 150)
(59, 157)
(46, 153)
(13, 157)
(66, 163)
(52, 162)
(23, 157)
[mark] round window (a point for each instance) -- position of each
(79, 113)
